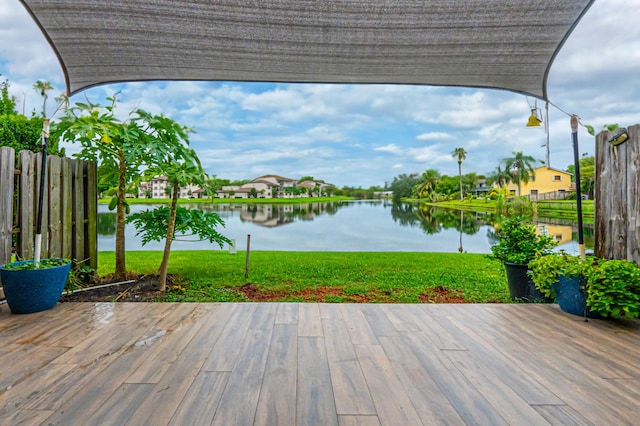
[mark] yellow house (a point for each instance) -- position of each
(547, 179)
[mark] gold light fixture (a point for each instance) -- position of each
(534, 120)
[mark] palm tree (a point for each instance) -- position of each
(462, 155)
(42, 87)
(520, 167)
(429, 180)
(500, 176)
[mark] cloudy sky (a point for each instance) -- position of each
(365, 135)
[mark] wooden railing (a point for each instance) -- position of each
(70, 208)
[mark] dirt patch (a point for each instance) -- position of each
(136, 288)
(144, 288)
(335, 294)
(441, 294)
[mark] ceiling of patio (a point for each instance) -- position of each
(475, 43)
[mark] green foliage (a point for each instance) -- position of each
(292, 190)
(520, 167)
(19, 132)
(519, 242)
(402, 185)
(124, 147)
(609, 127)
(29, 266)
(153, 224)
(428, 182)
(546, 269)
(520, 206)
(79, 277)
(448, 185)
(612, 287)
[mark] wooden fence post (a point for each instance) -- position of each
(617, 199)
(7, 167)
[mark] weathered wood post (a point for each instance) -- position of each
(617, 199)
(7, 165)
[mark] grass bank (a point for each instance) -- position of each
(231, 200)
(560, 209)
(212, 276)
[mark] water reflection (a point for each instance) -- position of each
(432, 220)
(377, 225)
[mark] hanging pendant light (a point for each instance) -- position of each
(534, 120)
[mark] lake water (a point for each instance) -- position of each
(339, 226)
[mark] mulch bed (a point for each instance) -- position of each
(136, 288)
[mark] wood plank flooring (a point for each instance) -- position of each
(316, 364)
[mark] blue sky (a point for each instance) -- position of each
(364, 135)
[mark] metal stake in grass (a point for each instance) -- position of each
(246, 263)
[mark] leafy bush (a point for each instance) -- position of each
(545, 270)
(612, 287)
(519, 242)
(153, 224)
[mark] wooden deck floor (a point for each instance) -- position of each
(316, 364)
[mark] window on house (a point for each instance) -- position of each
(534, 192)
(557, 178)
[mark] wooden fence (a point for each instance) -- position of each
(70, 207)
(617, 205)
(554, 195)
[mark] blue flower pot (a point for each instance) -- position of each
(29, 291)
(571, 297)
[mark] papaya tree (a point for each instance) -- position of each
(170, 156)
(122, 147)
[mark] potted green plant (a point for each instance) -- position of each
(591, 287)
(35, 285)
(29, 289)
(518, 245)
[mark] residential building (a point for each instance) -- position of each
(273, 186)
(545, 180)
(159, 187)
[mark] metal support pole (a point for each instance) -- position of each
(43, 176)
(576, 162)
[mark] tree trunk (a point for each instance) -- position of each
(460, 177)
(121, 268)
(162, 280)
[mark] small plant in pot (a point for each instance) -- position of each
(518, 245)
(592, 287)
(35, 285)
(31, 287)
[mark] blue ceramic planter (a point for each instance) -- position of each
(36, 290)
(571, 297)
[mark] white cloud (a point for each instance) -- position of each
(433, 136)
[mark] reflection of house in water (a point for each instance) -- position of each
(272, 215)
(561, 233)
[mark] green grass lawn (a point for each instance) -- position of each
(211, 276)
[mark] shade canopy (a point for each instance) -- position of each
(475, 43)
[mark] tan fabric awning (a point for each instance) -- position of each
(476, 43)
